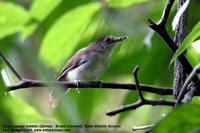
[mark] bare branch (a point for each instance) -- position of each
(26, 83)
(140, 103)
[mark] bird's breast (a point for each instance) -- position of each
(94, 68)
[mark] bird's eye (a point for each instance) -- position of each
(108, 39)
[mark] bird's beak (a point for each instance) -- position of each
(120, 38)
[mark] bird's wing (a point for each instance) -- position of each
(73, 63)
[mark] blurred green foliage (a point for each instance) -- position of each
(9, 23)
(185, 118)
(38, 37)
(77, 25)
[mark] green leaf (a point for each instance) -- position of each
(16, 111)
(28, 30)
(194, 34)
(193, 53)
(184, 119)
(129, 98)
(12, 18)
(15, 107)
(40, 9)
(62, 38)
(4, 116)
(124, 3)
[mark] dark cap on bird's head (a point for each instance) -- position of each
(111, 39)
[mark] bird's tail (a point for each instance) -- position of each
(53, 99)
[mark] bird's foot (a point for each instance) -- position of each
(100, 84)
(77, 84)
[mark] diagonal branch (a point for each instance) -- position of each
(11, 67)
(194, 73)
(161, 30)
(138, 104)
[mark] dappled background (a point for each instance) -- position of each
(39, 36)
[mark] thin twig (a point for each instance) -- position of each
(135, 70)
(11, 67)
(194, 73)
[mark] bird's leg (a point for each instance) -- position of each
(77, 84)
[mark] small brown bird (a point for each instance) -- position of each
(91, 62)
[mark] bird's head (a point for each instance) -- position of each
(109, 41)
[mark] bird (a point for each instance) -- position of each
(90, 62)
